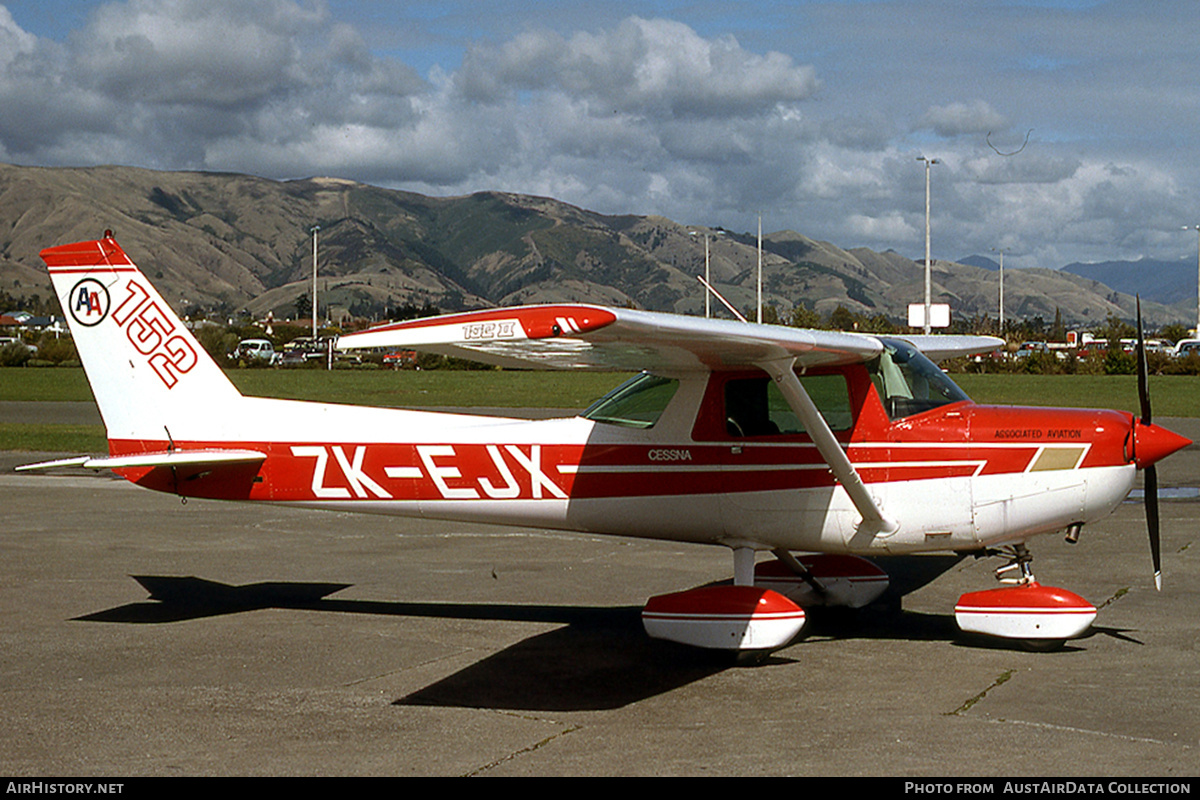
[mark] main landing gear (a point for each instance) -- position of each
(1038, 617)
(762, 611)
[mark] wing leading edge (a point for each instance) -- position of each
(627, 340)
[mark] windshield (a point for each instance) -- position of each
(637, 403)
(908, 382)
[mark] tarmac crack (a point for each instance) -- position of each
(1117, 595)
(1087, 732)
(1002, 678)
(410, 667)
(522, 752)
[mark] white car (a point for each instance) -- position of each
(5, 341)
(1185, 347)
(256, 350)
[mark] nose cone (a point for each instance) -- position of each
(1152, 443)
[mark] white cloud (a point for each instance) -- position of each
(956, 119)
(14, 42)
(891, 226)
(640, 114)
(1036, 166)
(661, 68)
(166, 83)
(219, 54)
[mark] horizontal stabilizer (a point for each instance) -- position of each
(165, 458)
(78, 461)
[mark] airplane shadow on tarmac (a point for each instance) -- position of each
(599, 659)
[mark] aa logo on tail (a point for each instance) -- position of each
(88, 302)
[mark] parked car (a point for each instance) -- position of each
(1185, 347)
(256, 350)
(398, 359)
(302, 349)
(5, 341)
(12, 341)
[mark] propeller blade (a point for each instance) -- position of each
(1151, 491)
(1151, 477)
(1143, 388)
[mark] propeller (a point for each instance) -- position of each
(1151, 472)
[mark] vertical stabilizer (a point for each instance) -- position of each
(152, 380)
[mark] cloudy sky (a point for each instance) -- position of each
(1065, 130)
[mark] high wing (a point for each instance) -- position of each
(938, 348)
(597, 338)
(627, 340)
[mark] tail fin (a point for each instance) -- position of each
(152, 380)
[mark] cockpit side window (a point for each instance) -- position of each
(908, 383)
(755, 406)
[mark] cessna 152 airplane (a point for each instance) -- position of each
(819, 447)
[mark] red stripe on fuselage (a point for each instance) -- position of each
(349, 471)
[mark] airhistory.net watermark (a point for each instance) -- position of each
(62, 787)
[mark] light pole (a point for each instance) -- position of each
(707, 278)
(1001, 250)
(929, 162)
(314, 230)
(1197, 229)
(760, 269)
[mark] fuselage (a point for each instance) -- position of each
(957, 476)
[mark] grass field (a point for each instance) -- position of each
(405, 388)
(51, 383)
(1172, 396)
(53, 438)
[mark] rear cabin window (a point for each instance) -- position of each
(756, 407)
(637, 403)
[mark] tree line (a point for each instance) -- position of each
(221, 339)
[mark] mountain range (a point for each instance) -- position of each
(237, 243)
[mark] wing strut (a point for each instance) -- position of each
(873, 519)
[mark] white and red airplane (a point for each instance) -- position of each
(835, 446)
